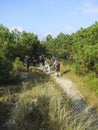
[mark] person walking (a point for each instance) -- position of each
(27, 62)
(57, 68)
(42, 61)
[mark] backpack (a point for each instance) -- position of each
(57, 65)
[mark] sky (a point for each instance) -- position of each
(43, 17)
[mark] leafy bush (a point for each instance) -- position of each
(17, 64)
(5, 70)
(93, 83)
(96, 68)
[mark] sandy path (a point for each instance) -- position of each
(70, 88)
(77, 98)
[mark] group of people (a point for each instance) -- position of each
(45, 64)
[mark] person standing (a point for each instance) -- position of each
(47, 65)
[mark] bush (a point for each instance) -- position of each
(80, 68)
(93, 83)
(96, 69)
(5, 70)
(17, 65)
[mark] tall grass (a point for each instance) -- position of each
(42, 105)
(93, 83)
(48, 108)
(86, 84)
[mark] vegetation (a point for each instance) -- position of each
(80, 50)
(41, 104)
(13, 45)
(34, 100)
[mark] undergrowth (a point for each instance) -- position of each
(41, 105)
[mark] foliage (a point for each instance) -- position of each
(5, 70)
(48, 37)
(18, 65)
(44, 106)
(93, 83)
(17, 44)
(80, 48)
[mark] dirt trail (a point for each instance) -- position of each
(70, 88)
(77, 98)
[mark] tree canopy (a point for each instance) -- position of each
(79, 48)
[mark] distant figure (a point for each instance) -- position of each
(57, 67)
(47, 66)
(27, 62)
(42, 61)
(33, 61)
(53, 60)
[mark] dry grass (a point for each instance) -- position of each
(81, 84)
(44, 106)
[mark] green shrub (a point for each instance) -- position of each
(93, 83)
(79, 68)
(96, 68)
(17, 64)
(5, 70)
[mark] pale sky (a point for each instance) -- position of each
(43, 17)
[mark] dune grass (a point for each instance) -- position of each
(41, 105)
(85, 84)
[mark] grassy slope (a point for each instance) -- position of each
(41, 104)
(81, 84)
